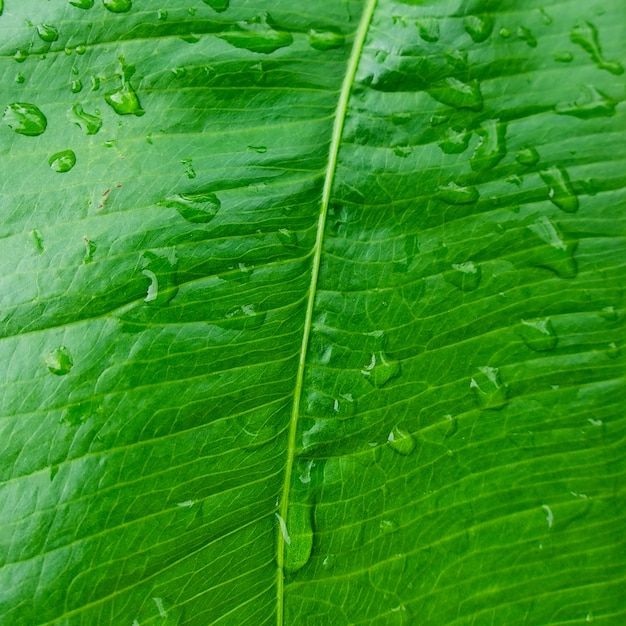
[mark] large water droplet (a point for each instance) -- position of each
(538, 334)
(300, 528)
(118, 6)
(90, 124)
(428, 28)
(160, 269)
(59, 361)
(401, 441)
(325, 39)
(559, 257)
(458, 194)
(124, 101)
(25, 119)
(585, 35)
(455, 141)
(489, 391)
(491, 147)
(218, 5)
(197, 208)
(464, 276)
(456, 93)
(47, 33)
(259, 34)
(590, 103)
(62, 161)
(380, 370)
(560, 189)
(478, 27)
(82, 4)
(20, 56)
(527, 156)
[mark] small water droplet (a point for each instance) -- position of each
(288, 238)
(25, 119)
(478, 27)
(124, 101)
(179, 72)
(197, 208)
(47, 33)
(20, 56)
(381, 369)
(95, 83)
(560, 189)
(559, 257)
(526, 35)
(82, 4)
(491, 147)
(585, 34)
(437, 119)
(458, 194)
(160, 269)
(403, 151)
(613, 350)
(81, 49)
(325, 39)
(401, 441)
(259, 34)
(90, 249)
(590, 103)
(505, 33)
(90, 124)
(59, 361)
(563, 56)
(428, 29)
(38, 240)
(489, 391)
(19, 79)
(218, 5)
(189, 171)
(464, 276)
(527, 156)
(609, 314)
(455, 140)
(300, 526)
(538, 334)
(259, 149)
(456, 93)
(62, 161)
(76, 86)
(118, 6)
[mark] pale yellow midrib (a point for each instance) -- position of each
(340, 116)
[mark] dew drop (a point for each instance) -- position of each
(160, 269)
(609, 314)
(585, 35)
(259, 34)
(189, 171)
(218, 5)
(464, 276)
(381, 369)
(76, 86)
(458, 194)
(478, 27)
(124, 101)
(20, 56)
(38, 240)
(300, 525)
(81, 49)
(288, 238)
(613, 350)
(428, 29)
(455, 141)
(197, 208)
(62, 161)
(560, 189)
(162, 15)
(82, 4)
(489, 391)
(401, 441)
(527, 156)
(59, 361)
(25, 119)
(559, 257)
(118, 6)
(563, 56)
(258, 149)
(456, 93)
(47, 33)
(90, 249)
(491, 147)
(87, 122)
(325, 39)
(538, 334)
(19, 79)
(526, 35)
(590, 103)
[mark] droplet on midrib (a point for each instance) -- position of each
(325, 39)
(300, 528)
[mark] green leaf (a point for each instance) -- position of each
(312, 313)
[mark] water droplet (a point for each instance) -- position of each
(455, 141)
(19, 79)
(456, 93)
(62, 161)
(403, 151)
(437, 119)
(38, 240)
(179, 72)
(77, 86)
(563, 56)
(325, 39)
(381, 369)
(90, 124)
(95, 83)
(160, 269)
(59, 361)
(526, 35)
(90, 249)
(25, 119)
(491, 147)
(162, 15)
(259, 34)
(197, 208)
(590, 103)
(505, 33)
(559, 257)
(458, 194)
(401, 441)
(20, 56)
(1, 6)
(81, 49)
(259, 149)
(585, 35)
(124, 100)
(489, 391)
(47, 33)
(538, 334)
(82, 4)
(464, 276)
(613, 350)
(560, 189)
(300, 526)
(118, 6)
(428, 28)
(609, 314)
(243, 317)
(527, 156)
(218, 5)
(189, 171)
(287, 237)
(478, 27)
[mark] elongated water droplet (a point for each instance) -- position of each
(489, 391)
(259, 34)
(160, 269)
(59, 361)
(118, 6)
(464, 276)
(526, 35)
(218, 5)
(124, 101)
(560, 189)
(90, 124)
(401, 441)
(1, 6)
(189, 171)
(456, 93)
(527, 156)
(38, 240)
(325, 39)
(458, 194)
(478, 27)
(559, 256)
(455, 141)
(428, 28)
(82, 4)
(197, 208)
(90, 249)
(62, 161)
(381, 369)
(563, 56)
(590, 103)
(538, 334)
(491, 147)
(585, 35)
(25, 119)
(300, 527)
(47, 33)
(76, 86)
